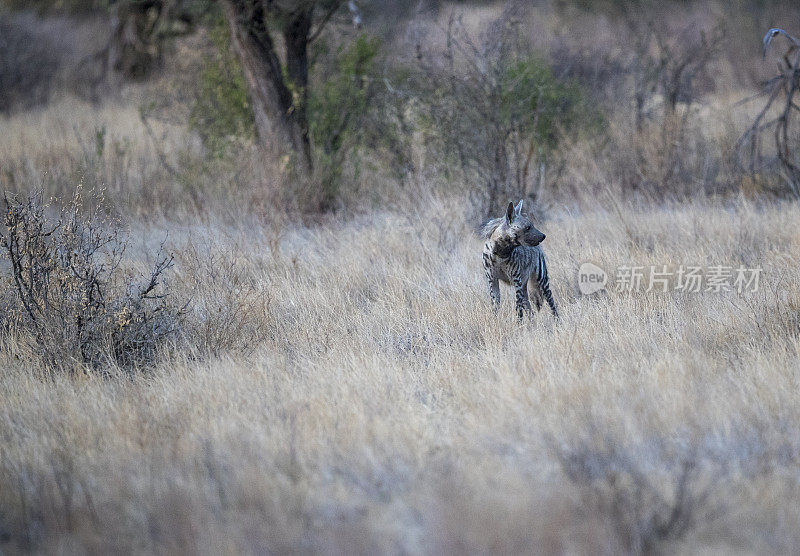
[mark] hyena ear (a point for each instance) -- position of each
(510, 212)
(518, 208)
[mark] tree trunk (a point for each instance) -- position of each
(296, 36)
(277, 116)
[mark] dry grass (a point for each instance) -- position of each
(381, 406)
(344, 387)
(147, 168)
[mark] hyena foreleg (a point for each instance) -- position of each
(491, 280)
(521, 290)
(494, 289)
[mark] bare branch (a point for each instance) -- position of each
(774, 32)
(784, 86)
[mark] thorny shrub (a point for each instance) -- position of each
(71, 296)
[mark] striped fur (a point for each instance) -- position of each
(512, 255)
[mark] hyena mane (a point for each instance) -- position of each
(489, 227)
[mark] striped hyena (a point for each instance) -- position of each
(512, 254)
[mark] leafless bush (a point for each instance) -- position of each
(646, 508)
(73, 298)
(597, 68)
(669, 68)
(668, 63)
(779, 115)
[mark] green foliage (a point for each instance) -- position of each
(538, 104)
(343, 95)
(497, 112)
(221, 112)
(340, 107)
(347, 107)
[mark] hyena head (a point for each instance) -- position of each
(515, 227)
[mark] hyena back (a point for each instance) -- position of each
(512, 254)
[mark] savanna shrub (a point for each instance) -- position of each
(354, 115)
(497, 111)
(349, 108)
(72, 298)
(221, 112)
(338, 105)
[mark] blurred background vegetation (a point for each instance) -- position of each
(313, 106)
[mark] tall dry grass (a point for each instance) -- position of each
(375, 403)
(342, 385)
